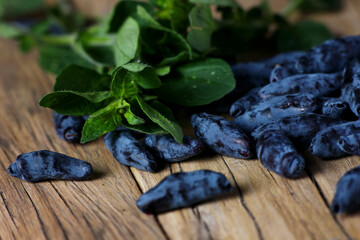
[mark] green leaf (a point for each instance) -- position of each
(123, 83)
(217, 2)
(123, 10)
(103, 121)
(163, 71)
(147, 78)
(202, 26)
(81, 79)
(301, 36)
(146, 20)
(55, 59)
(174, 11)
(197, 83)
(14, 8)
(135, 66)
(126, 42)
(181, 57)
(8, 31)
(26, 43)
(69, 103)
(131, 118)
(164, 110)
(149, 127)
(171, 127)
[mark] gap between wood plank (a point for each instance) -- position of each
(155, 216)
(313, 180)
(37, 213)
(243, 203)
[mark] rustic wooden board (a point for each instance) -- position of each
(261, 206)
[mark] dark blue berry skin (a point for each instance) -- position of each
(166, 148)
(256, 74)
(183, 190)
(350, 90)
(245, 102)
(330, 56)
(280, 72)
(286, 68)
(275, 108)
(324, 143)
(350, 143)
(335, 108)
(318, 84)
(249, 75)
(299, 128)
(67, 127)
(347, 195)
(284, 58)
(129, 151)
(278, 154)
(46, 165)
(221, 135)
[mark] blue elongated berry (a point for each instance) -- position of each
(350, 143)
(67, 127)
(166, 148)
(278, 154)
(46, 165)
(129, 151)
(330, 56)
(221, 135)
(275, 108)
(335, 107)
(318, 84)
(347, 195)
(350, 90)
(324, 143)
(286, 68)
(183, 190)
(245, 102)
(300, 128)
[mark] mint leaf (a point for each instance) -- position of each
(103, 121)
(301, 36)
(126, 42)
(169, 61)
(146, 20)
(163, 71)
(197, 83)
(131, 118)
(148, 127)
(171, 127)
(123, 84)
(55, 59)
(69, 103)
(164, 110)
(15, 8)
(135, 66)
(202, 25)
(147, 78)
(122, 11)
(81, 79)
(8, 31)
(217, 2)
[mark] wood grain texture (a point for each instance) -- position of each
(261, 206)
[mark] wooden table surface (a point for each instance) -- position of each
(262, 205)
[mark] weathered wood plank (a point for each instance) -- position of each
(103, 207)
(326, 175)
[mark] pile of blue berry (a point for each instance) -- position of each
(282, 106)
